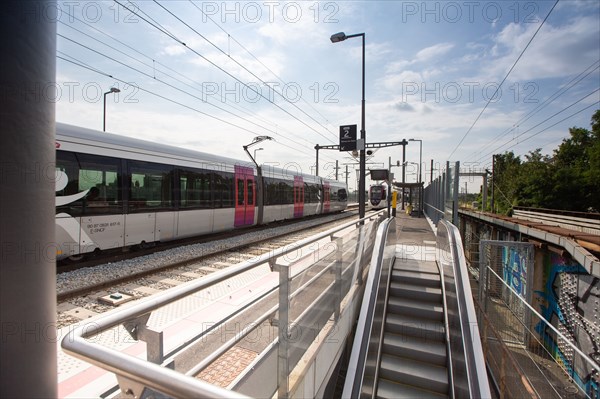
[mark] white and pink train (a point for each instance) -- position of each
(114, 191)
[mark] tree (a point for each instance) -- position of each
(577, 169)
(506, 168)
(535, 181)
(567, 180)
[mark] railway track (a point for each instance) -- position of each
(117, 255)
(84, 293)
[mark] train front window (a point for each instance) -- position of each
(377, 193)
(99, 176)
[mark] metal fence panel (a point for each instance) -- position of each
(514, 262)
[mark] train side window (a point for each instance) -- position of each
(250, 192)
(311, 195)
(224, 190)
(287, 189)
(271, 191)
(240, 191)
(151, 186)
(195, 189)
(308, 193)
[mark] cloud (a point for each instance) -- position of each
(404, 107)
(174, 49)
(426, 54)
(397, 81)
(554, 52)
(432, 52)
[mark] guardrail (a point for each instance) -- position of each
(567, 220)
(315, 290)
(468, 363)
(368, 337)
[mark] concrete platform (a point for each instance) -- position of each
(184, 320)
(415, 238)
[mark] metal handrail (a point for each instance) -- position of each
(380, 258)
(152, 375)
(452, 394)
(434, 208)
(474, 363)
(357, 362)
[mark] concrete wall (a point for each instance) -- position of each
(563, 292)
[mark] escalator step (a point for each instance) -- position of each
(413, 326)
(416, 307)
(417, 348)
(416, 277)
(406, 290)
(390, 390)
(414, 373)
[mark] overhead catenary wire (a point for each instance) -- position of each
(155, 69)
(556, 123)
(230, 36)
(298, 146)
(73, 60)
(502, 82)
(549, 127)
(537, 125)
(155, 62)
(223, 70)
(557, 94)
(168, 84)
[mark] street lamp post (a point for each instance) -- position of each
(112, 90)
(420, 155)
(255, 141)
(340, 37)
(257, 149)
(418, 168)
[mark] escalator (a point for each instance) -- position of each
(403, 347)
(413, 353)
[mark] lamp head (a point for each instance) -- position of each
(338, 37)
(114, 90)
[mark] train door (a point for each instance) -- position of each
(326, 197)
(245, 196)
(298, 196)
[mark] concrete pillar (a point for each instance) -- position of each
(539, 285)
(27, 207)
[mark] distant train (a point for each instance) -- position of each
(378, 196)
(114, 191)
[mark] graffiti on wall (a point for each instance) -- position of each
(515, 261)
(571, 296)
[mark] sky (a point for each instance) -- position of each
(467, 78)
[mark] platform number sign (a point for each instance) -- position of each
(348, 138)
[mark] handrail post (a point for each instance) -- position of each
(338, 277)
(359, 251)
(503, 376)
(283, 326)
(139, 331)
